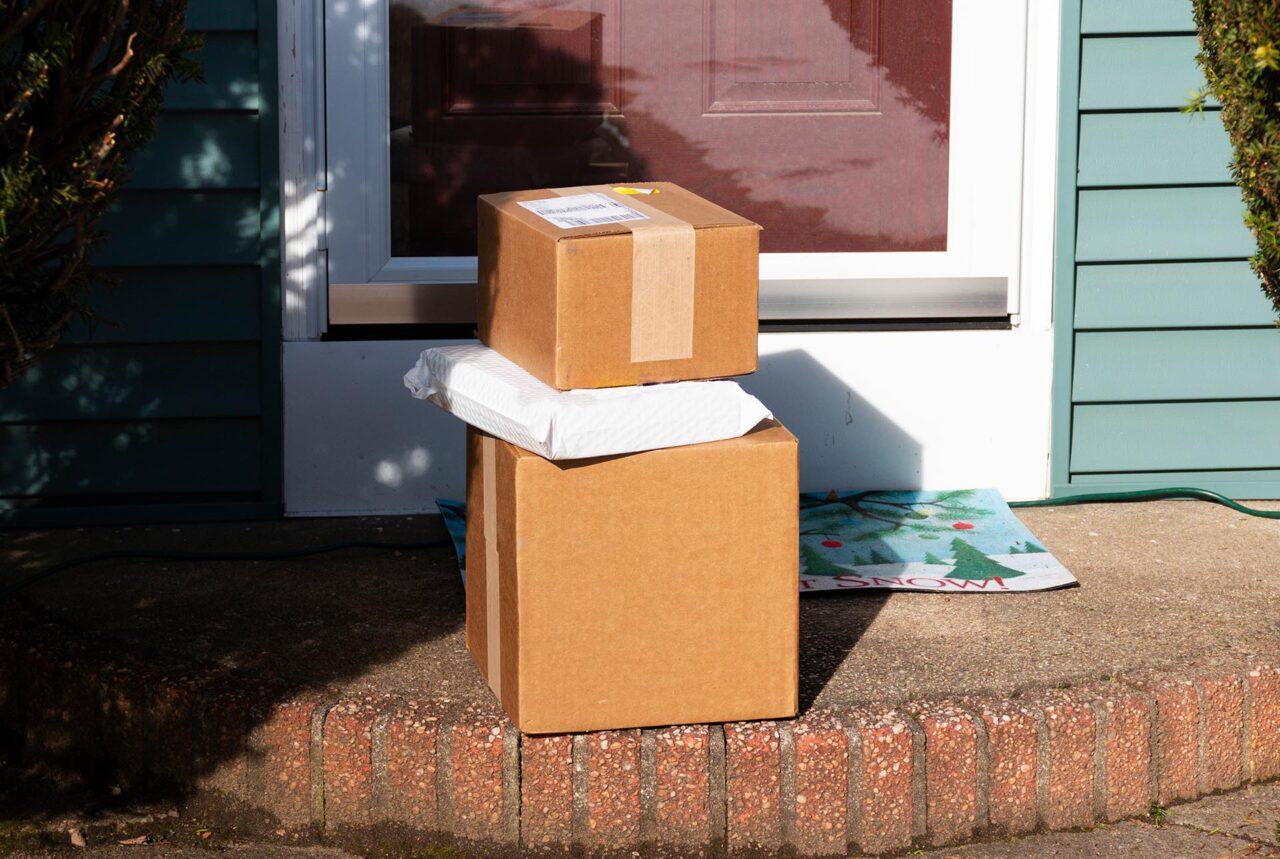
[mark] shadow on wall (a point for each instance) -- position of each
(160, 398)
(840, 431)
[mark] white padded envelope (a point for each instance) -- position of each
(481, 387)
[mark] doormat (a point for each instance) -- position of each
(958, 541)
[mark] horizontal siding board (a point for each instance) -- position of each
(1210, 364)
(199, 150)
(1138, 73)
(73, 383)
(230, 63)
(169, 305)
(83, 459)
(1212, 436)
(170, 412)
(1153, 149)
(1137, 16)
(222, 14)
(180, 228)
(1134, 224)
(1185, 478)
(1170, 295)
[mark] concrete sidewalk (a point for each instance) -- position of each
(335, 694)
(1240, 825)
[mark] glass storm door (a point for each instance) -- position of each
(826, 121)
(878, 142)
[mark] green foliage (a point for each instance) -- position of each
(80, 86)
(931, 558)
(1240, 55)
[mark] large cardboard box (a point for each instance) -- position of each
(644, 589)
(596, 287)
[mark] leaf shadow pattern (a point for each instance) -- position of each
(352, 623)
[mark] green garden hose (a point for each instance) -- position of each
(1187, 492)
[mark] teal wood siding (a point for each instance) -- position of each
(169, 406)
(1167, 365)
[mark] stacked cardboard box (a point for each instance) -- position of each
(648, 588)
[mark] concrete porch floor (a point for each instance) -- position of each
(1162, 584)
(1171, 592)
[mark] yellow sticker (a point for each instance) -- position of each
(622, 189)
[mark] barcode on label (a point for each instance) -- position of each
(599, 219)
(582, 210)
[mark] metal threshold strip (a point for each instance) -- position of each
(932, 298)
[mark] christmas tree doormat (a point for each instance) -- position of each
(961, 541)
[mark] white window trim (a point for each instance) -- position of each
(335, 215)
(303, 231)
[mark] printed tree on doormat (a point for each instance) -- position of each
(972, 564)
(814, 564)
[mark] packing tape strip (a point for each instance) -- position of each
(662, 274)
(492, 579)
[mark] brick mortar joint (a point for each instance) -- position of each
(1246, 727)
(511, 775)
(1044, 765)
(786, 782)
(1155, 742)
(379, 801)
(853, 781)
(1202, 717)
(717, 786)
(648, 786)
(982, 770)
(448, 720)
(580, 758)
(1101, 731)
(319, 715)
(919, 775)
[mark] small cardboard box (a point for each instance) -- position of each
(596, 287)
(649, 588)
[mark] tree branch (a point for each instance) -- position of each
(12, 28)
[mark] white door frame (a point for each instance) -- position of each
(1009, 370)
(985, 196)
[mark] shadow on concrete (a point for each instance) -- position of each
(350, 622)
(809, 399)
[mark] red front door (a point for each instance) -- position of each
(826, 121)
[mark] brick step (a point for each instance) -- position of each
(868, 779)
